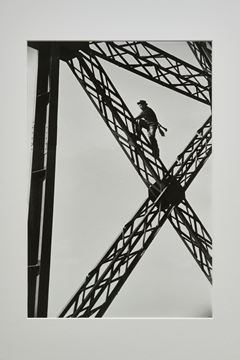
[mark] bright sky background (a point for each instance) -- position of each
(97, 191)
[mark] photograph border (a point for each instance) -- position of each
(104, 338)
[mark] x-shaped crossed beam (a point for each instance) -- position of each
(166, 195)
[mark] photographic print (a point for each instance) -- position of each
(120, 211)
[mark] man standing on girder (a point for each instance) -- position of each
(147, 119)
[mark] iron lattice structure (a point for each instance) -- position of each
(166, 188)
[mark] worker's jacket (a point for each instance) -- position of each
(148, 115)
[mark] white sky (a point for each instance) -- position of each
(97, 191)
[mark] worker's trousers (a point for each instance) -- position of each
(151, 131)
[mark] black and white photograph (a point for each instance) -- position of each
(120, 199)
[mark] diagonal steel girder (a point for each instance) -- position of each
(201, 244)
(103, 283)
(147, 60)
(106, 279)
(119, 119)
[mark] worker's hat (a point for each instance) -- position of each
(142, 102)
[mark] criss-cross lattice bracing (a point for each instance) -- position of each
(166, 188)
(117, 116)
(157, 65)
(94, 296)
(106, 279)
(193, 157)
(200, 245)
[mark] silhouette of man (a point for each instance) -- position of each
(147, 119)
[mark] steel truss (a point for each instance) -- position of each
(166, 188)
(157, 65)
(105, 280)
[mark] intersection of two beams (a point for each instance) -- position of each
(173, 193)
(165, 192)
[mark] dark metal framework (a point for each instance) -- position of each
(42, 180)
(166, 188)
(157, 65)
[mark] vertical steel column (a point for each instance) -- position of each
(37, 178)
(42, 181)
